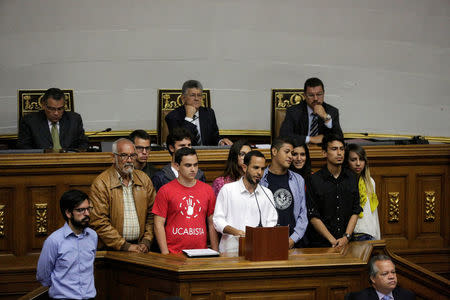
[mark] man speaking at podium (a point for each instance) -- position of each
(244, 203)
(52, 128)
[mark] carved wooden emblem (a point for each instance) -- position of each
(41, 218)
(2, 220)
(284, 98)
(171, 99)
(430, 204)
(394, 207)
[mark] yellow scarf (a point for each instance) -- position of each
(363, 197)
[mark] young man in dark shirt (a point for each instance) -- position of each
(288, 190)
(333, 205)
(141, 141)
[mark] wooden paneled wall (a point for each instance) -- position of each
(412, 183)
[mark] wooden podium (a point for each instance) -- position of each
(265, 243)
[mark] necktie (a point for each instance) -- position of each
(55, 137)
(197, 138)
(386, 298)
(314, 126)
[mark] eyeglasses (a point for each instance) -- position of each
(82, 210)
(141, 149)
(55, 109)
(319, 95)
(124, 156)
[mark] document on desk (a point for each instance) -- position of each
(201, 252)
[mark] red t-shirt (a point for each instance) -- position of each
(185, 210)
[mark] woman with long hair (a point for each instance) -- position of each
(233, 168)
(301, 161)
(368, 224)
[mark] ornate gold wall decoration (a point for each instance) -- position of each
(394, 207)
(41, 218)
(430, 204)
(2, 220)
(284, 98)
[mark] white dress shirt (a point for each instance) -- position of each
(237, 208)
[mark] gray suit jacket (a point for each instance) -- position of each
(34, 132)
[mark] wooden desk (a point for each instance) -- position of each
(412, 184)
(325, 273)
(307, 274)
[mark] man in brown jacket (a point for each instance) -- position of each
(123, 198)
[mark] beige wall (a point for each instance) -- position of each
(385, 64)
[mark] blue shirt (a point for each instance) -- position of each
(297, 186)
(66, 263)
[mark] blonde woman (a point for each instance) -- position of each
(368, 224)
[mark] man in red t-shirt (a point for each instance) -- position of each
(182, 207)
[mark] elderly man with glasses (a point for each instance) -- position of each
(123, 198)
(53, 127)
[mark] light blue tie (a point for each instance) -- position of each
(386, 298)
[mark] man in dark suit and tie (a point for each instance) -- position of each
(199, 120)
(52, 128)
(310, 120)
(383, 278)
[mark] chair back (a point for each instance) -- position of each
(30, 101)
(281, 100)
(168, 100)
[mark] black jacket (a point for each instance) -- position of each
(296, 122)
(208, 125)
(371, 294)
(34, 132)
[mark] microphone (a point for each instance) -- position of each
(259, 209)
(104, 130)
(268, 198)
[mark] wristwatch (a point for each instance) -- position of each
(348, 236)
(327, 118)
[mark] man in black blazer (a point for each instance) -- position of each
(384, 282)
(200, 121)
(52, 128)
(310, 120)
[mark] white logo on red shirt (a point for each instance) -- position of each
(190, 207)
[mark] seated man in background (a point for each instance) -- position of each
(66, 263)
(244, 203)
(184, 208)
(333, 206)
(383, 278)
(288, 190)
(177, 139)
(122, 198)
(52, 128)
(141, 140)
(199, 120)
(310, 120)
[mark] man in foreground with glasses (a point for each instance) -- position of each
(52, 128)
(310, 120)
(66, 263)
(141, 140)
(123, 198)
